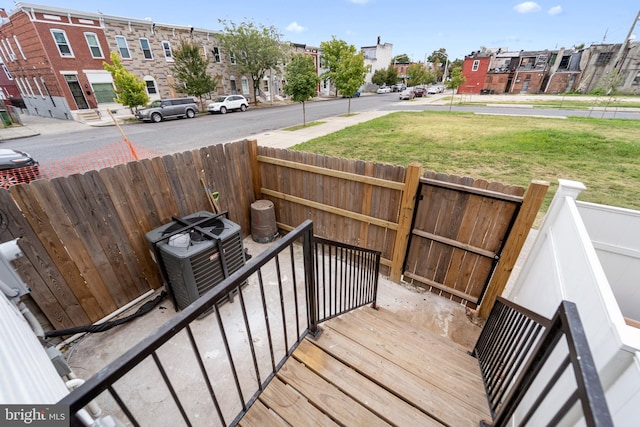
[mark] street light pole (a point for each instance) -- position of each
(446, 65)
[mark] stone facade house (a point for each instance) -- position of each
(599, 63)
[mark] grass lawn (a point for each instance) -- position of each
(604, 154)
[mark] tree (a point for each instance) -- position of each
(349, 75)
(417, 75)
(431, 78)
(403, 58)
(190, 71)
(440, 58)
(301, 81)
(392, 75)
(130, 89)
(457, 80)
(331, 53)
(379, 77)
(256, 49)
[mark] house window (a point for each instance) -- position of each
(4, 55)
(15, 39)
(245, 85)
(166, 47)
(94, 45)
(232, 57)
(33, 95)
(20, 88)
(604, 58)
(476, 65)
(103, 92)
(151, 86)
(146, 48)
(35, 81)
(10, 50)
(123, 48)
(216, 54)
(62, 42)
(6, 71)
(564, 62)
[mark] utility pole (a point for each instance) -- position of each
(616, 65)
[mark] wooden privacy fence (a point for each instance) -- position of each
(83, 236)
(461, 226)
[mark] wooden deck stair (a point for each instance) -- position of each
(370, 368)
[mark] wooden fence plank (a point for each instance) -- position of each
(33, 199)
(81, 242)
(113, 238)
(49, 289)
(530, 206)
(148, 273)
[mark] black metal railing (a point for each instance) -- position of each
(214, 358)
(526, 367)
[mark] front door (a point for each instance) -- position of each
(76, 91)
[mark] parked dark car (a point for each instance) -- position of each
(17, 167)
(419, 92)
(171, 108)
(407, 94)
(398, 87)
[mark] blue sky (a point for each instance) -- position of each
(414, 27)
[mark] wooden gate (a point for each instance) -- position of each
(459, 230)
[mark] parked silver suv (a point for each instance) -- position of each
(170, 108)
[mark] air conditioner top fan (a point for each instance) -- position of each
(213, 226)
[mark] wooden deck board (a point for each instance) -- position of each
(293, 407)
(379, 400)
(369, 368)
(433, 359)
(261, 416)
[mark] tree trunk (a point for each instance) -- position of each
(255, 92)
(304, 115)
(349, 108)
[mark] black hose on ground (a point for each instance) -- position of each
(144, 309)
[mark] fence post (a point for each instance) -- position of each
(310, 279)
(256, 178)
(528, 210)
(408, 203)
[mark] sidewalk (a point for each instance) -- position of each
(36, 125)
(281, 138)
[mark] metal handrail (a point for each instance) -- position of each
(358, 268)
(516, 347)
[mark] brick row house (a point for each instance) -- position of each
(552, 71)
(55, 57)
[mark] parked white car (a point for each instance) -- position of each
(384, 89)
(225, 103)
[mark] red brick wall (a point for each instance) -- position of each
(43, 59)
(497, 83)
(82, 58)
(535, 79)
(559, 81)
(474, 79)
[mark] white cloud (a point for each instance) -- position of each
(295, 27)
(527, 7)
(555, 10)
